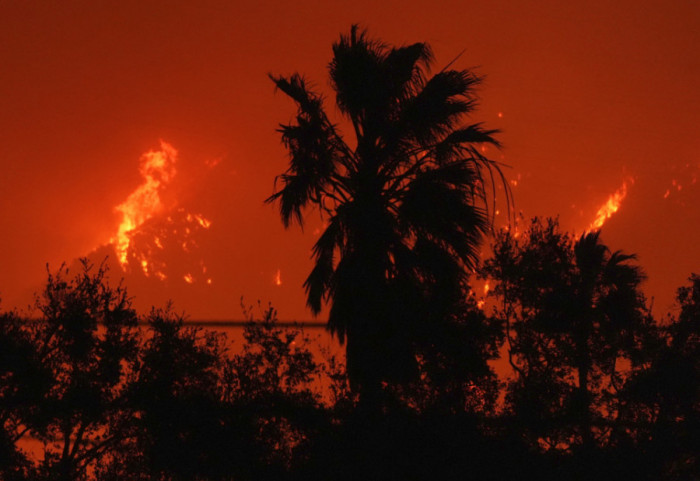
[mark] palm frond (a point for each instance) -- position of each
(318, 283)
(454, 143)
(434, 209)
(405, 67)
(312, 145)
(296, 88)
(435, 110)
(356, 74)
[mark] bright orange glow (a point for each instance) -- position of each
(611, 206)
(278, 278)
(157, 169)
(206, 223)
(164, 239)
(149, 230)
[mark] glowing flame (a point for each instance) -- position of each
(157, 169)
(169, 237)
(278, 278)
(151, 232)
(206, 223)
(611, 206)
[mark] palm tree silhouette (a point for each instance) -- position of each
(405, 205)
(606, 313)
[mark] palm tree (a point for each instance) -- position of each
(606, 315)
(406, 204)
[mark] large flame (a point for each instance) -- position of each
(157, 169)
(152, 234)
(611, 206)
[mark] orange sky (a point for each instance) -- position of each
(591, 94)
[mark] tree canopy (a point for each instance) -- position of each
(404, 197)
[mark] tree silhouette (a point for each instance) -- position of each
(664, 400)
(577, 331)
(404, 203)
(526, 270)
(86, 339)
(24, 382)
(200, 413)
(175, 392)
(607, 319)
(269, 387)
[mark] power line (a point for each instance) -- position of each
(243, 323)
(214, 323)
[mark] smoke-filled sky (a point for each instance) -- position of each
(168, 105)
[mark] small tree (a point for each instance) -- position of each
(271, 383)
(86, 339)
(175, 393)
(24, 382)
(576, 326)
(202, 413)
(664, 400)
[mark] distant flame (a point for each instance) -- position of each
(157, 169)
(611, 206)
(206, 223)
(151, 232)
(162, 237)
(278, 278)
(684, 178)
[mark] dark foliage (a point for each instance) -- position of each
(577, 330)
(405, 202)
(172, 402)
(85, 342)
